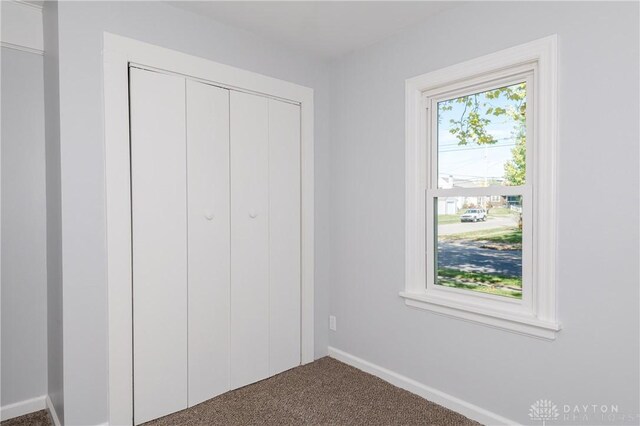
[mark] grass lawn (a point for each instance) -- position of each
(501, 285)
(444, 219)
(500, 211)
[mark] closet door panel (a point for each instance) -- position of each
(284, 236)
(209, 239)
(159, 238)
(249, 239)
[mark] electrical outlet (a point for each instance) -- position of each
(332, 322)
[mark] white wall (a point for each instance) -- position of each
(360, 200)
(24, 262)
(80, 26)
(595, 357)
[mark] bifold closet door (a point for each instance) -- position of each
(215, 181)
(284, 236)
(249, 238)
(209, 250)
(159, 240)
(265, 237)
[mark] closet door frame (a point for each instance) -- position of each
(119, 53)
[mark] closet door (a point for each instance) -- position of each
(284, 236)
(265, 237)
(249, 238)
(209, 263)
(159, 238)
(215, 178)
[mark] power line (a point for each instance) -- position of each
(476, 147)
(458, 144)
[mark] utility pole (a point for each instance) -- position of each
(486, 172)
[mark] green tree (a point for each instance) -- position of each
(477, 113)
(515, 169)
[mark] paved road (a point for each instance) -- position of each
(469, 256)
(492, 222)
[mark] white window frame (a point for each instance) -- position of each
(536, 313)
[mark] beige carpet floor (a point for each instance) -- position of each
(325, 392)
(39, 418)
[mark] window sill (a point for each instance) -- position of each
(529, 326)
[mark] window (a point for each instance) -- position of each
(481, 231)
(479, 141)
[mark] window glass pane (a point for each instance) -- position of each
(479, 244)
(482, 139)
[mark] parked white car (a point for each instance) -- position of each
(473, 215)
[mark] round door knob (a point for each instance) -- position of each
(208, 216)
(253, 215)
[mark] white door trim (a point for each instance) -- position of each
(118, 53)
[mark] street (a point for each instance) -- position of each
(492, 222)
(471, 257)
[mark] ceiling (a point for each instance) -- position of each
(323, 28)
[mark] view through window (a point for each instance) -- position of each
(481, 143)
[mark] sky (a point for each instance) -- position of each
(474, 161)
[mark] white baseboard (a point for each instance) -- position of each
(23, 407)
(465, 408)
(52, 412)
